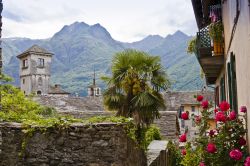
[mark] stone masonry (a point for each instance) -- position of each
(103, 144)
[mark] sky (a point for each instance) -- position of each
(126, 20)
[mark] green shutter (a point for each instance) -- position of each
(222, 89)
(234, 84)
(229, 83)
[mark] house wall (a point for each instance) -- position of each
(240, 47)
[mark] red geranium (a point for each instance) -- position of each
(242, 141)
(184, 115)
(199, 98)
(232, 115)
(211, 148)
(224, 106)
(183, 138)
(215, 110)
(202, 164)
(183, 152)
(247, 161)
(204, 104)
(243, 109)
(236, 154)
(220, 117)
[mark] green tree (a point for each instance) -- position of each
(134, 89)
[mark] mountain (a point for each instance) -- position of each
(79, 49)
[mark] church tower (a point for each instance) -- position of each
(35, 64)
(94, 90)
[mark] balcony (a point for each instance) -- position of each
(210, 64)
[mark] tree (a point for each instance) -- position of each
(134, 89)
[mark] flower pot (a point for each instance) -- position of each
(218, 48)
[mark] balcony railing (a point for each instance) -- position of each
(210, 64)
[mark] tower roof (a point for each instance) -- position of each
(35, 49)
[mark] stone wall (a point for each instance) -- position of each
(168, 124)
(80, 145)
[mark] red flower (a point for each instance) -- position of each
(232, 115)
(215, 110)
(220, 117)
(211, 133)
(224, 106)
(242, 141)
(247, 161)
(204, 104)
(184, 115)
(243, 109)
(183, 152)
(183, 138)
(197, 119)
(202, 164)
(211, 148)
(236, 154)
(199, 98)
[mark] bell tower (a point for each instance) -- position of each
(35, 64)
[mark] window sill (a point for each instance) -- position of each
(26, 67)
(41, 67)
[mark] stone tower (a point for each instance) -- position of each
(35, 64)
(94, 90)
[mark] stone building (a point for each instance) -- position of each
(185, 102)
(34, 70)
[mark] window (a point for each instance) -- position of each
(39, 92)
(25, 63)
(222, 89)
(232, 84)
(23, 81)
(40, 62)
(193, 108)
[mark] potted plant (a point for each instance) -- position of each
(191, 49)
(216, 34)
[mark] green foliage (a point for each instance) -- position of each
(192, 157)
(114, 119)
(135, 85)
(216, 31)
(191, 49)
(174, 156)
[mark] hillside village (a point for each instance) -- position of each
(137, 114)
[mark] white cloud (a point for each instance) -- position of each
(128, 20)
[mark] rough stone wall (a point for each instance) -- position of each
(168, 124)
(79, 145)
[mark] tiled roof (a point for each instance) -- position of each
(57, 90)
(179, 98)
(37, 50)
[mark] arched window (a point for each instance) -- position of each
(39, 92)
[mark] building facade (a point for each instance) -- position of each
(229, 70)
(180, 102)
(35, 64)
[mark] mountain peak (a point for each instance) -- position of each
(179, 34)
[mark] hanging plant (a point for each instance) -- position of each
(191, 49)
(216, 31)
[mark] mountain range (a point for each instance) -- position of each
(79, 49)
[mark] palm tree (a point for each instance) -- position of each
(134, 90)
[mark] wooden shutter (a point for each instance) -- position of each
(232, 83)
(222, 89)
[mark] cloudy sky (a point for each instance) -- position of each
(126, 20)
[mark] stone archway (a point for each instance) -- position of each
(39, 92)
